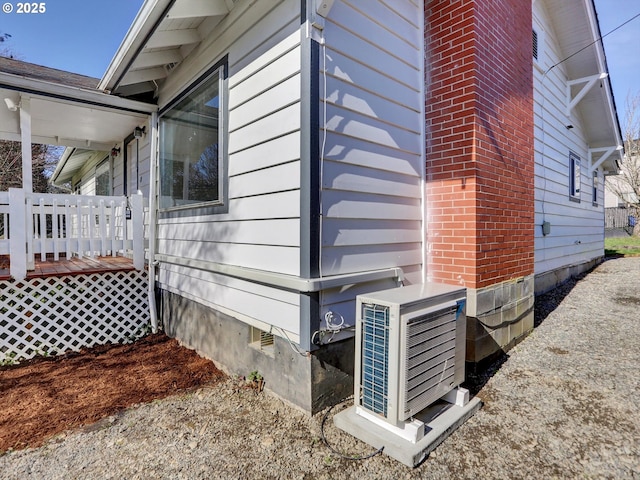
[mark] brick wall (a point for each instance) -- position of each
(479, 135)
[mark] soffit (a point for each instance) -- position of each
(161, 37)
(73, 161)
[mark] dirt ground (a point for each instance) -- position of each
(46, 396)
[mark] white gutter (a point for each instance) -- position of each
(153, 314)
(78, 95)
(280, 280)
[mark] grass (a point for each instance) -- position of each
(623, 246)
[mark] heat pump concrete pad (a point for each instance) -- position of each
(440, 419)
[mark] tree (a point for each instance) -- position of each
(626, 186)
(44, 158)
(5, 52)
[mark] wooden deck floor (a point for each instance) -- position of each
(71, 266)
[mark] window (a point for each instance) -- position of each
(103, 178)
(574, 177)
(595, 188)
(191, 141)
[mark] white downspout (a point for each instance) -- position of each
(153, 313)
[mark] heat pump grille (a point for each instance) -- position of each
(375, 366)
(430, 355)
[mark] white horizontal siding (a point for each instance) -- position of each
(370, 257)
(371, 125)
(280, 122)
(577, 228)
(259, 157)
(356, 151)
(354, 178)
(272, 231)
(88, 186)
(262, 207)
(360, 206)
(255, 304)
(260, 227)
(340, 232)
(272, 258)
(269, 180)
(251, 30)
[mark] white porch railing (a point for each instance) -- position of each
(69, 225)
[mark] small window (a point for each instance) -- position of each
(574, 177)
(262, 340)
(103, 178)
(191, 139)
(595, 188)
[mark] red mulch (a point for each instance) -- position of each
(46, 396)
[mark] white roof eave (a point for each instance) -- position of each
(73, 94)
(143, 25)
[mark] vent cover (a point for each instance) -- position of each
(535, 44)
(262, 340)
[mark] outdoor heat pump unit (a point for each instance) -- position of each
(410, 352)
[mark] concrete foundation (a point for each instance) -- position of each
(441, 419)
(498, 317)
(310, 382)
(547, 281)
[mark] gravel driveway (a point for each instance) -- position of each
(564, 403)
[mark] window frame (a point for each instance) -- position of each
(594, 187)
(575, 177)
(219, 205)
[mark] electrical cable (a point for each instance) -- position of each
(595, 41)
(332, 327)
(291, 344)
(340, 454)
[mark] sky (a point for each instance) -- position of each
(79, 36)
(82, 36)
(621, 47)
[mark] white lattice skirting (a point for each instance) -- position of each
(52, 315)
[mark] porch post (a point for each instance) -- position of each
(18, 233)
(137, 222)
(27, 175)
(25, 138)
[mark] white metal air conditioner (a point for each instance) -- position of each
(410, 352)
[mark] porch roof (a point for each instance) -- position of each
(64, 108)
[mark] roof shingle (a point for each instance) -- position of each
(31, 70)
